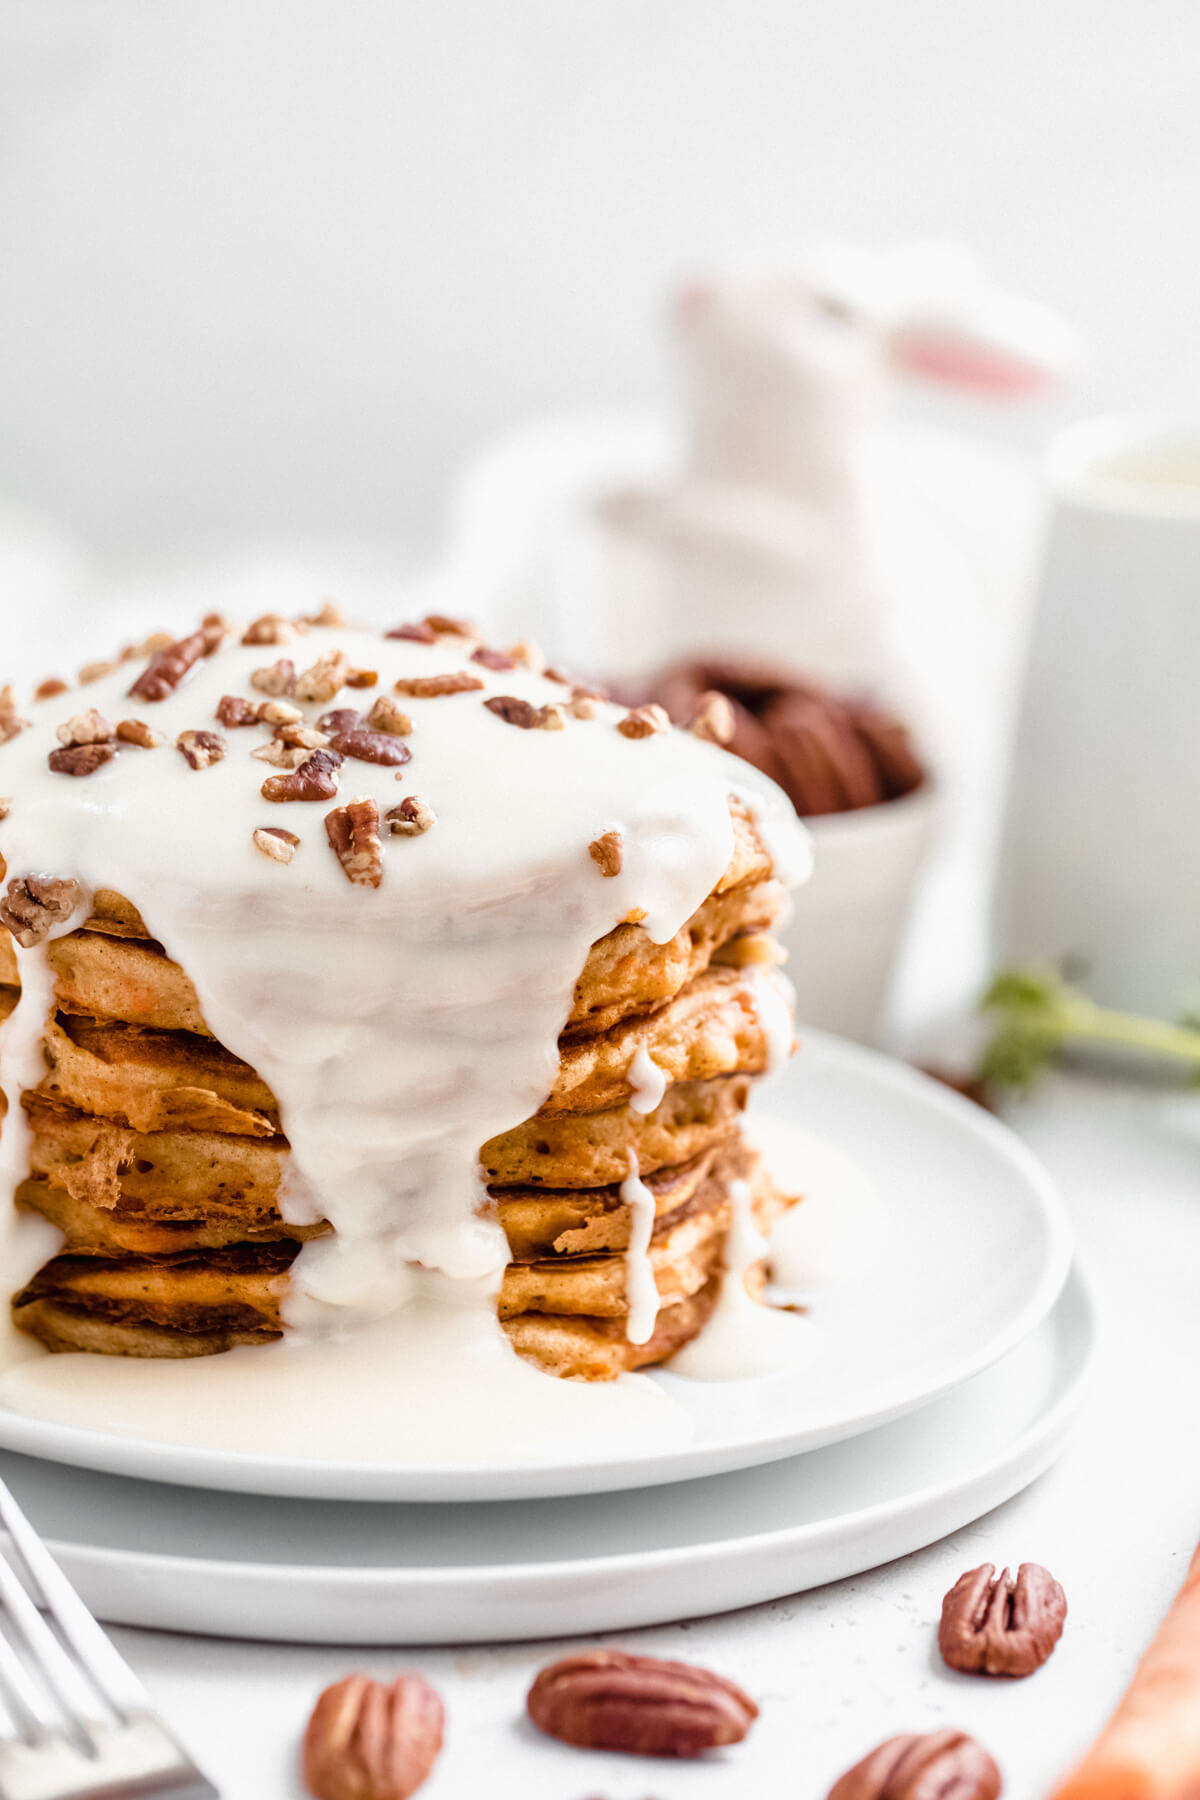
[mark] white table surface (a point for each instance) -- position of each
(838, 1669)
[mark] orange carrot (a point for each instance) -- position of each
(1150, 1748)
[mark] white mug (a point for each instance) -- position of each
(1100, 860)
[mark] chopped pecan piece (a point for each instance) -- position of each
(316, 778)
(278, 680)
(322, 681)
(233, 711)
(606, 852)
(524, 714)
(5, 808)
(167, 667)
(280, 755)
(327, 614)
(81, 759)
(417, 633)
(362, 678)
(35, 904)
(607, 1700)
(269, 628)
(200, 749)
(643, 722)
(583, 705)
(935, 1765)
(342, 718)
(90, 727)
(411, 818)
(429, 687)
(997, 1626)
(278, 712)
(371, 746)
(10, 724)
(136, 731)
(493, 659)
(294, 735)
(353, 832)
(96, 671)
(368, 1741)
(529, 655)
(275, 842)
(712, 718)
(46, 690)
(447, 627)
(385, 715)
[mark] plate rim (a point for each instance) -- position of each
(1033, 1446)
(314, 1478)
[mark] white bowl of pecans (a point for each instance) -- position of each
(853, 771)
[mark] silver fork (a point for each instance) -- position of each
(79, 1723)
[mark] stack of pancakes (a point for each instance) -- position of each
(161, 1156)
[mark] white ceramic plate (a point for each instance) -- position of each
(977, 1250)
(328, 1572)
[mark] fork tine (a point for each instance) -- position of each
(21, 1697)
(108, 1673)
(60, 1676)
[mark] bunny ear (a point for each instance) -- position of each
(1007, 347)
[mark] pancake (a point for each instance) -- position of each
(188, 1303)
(163, 1158)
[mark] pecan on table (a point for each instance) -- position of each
(995, 1625)
(370, 1740)
(934, 1765)
(607, 1700)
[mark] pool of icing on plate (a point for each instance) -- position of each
(446, 985)
(430, 1384)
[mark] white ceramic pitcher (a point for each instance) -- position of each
(1101, 851)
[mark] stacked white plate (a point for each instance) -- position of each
(949, 1370)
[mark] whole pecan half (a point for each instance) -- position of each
(367, 1740)
(607, 1700)
(997, 1626)
(35, 904)
(167, 668)
(353, 832)
(935, 1765)
(315, 779)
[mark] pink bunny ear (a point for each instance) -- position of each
(985, 366)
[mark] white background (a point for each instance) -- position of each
(270, 268)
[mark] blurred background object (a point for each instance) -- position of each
(1101, 859)
(275, 270)
(304, 301)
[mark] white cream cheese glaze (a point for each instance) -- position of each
(647, 1080)
(742, 1337)
(399, 1027)
(641, 1289)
